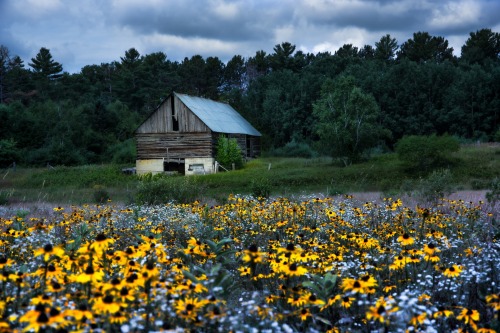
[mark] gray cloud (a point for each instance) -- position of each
(98, 31)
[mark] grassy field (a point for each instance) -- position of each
(473, 167)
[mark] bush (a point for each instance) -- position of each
(261, 188)
(437, 185)
(424, 153)
(160, 189)
(493, 196)
(101, 195)
(229, 152)
(295, 149)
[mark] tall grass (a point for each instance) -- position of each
(474, 167)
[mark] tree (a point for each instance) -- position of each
(424, 47)
(282, 58)
(386, 48)
(482, 45)
(45, 66)
(229, 153)
(347, 120)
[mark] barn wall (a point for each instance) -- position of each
(162, 120)
(199, 165)
(173, 145)
(149, 166)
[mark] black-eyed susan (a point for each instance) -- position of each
(418, 319)
(346, 301)
(452, 271)
(442, 312)
(252, 254)
(48, 251)
(88, 275)
(244, 270)
(188, 308)
(293, 270)
(468, 316)
(101, 243)
(493, 300)
(304, 314)
(405, 239)
(106, 304)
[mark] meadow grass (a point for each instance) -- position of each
(472, 167)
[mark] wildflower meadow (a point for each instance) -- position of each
(253, 265)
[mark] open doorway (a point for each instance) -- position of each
(174, 167)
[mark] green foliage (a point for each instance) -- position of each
(9, 152)
(86, 176)
(229, 152)
(261, 187)
(424, 153)
(493, 195)
(160, 189)
(294, 149)
(438, 185)
(496, 136)
(123, 152)
(101, 195)
(348, 120)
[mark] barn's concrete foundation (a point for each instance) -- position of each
(199, 165)
(149, 166)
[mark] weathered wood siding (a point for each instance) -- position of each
(162, 121)
(249, 145)
(172, 146)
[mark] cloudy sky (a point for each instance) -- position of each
(86, 32)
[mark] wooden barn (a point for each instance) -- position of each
(182, 133)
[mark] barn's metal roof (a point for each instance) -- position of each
(219, 117)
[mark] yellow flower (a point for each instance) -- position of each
(452, 271)
(468, 316)
(253, 255)
(419, 319)
(188, 308)
(442, 312)
(304, 314)
(346, 301)
(106, 305)
(48, 250)
(406, 239)
(293, 270)
(244, 270)
(376, 313)
(101, 243)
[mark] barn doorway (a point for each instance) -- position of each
(174, 167)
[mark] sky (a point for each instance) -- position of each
(92, 32)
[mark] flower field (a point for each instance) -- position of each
(313, 265)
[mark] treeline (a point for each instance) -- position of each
(343, 104)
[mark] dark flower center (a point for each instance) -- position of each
(101, 237)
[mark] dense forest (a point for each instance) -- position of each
(347, 104)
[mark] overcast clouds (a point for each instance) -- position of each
(86, 32)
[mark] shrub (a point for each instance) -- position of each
(424, 153)
(229, 152)
(101, 195)
(493, 196)
(295, 149)
(436, 186)
(160, 189)
(261, 188)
